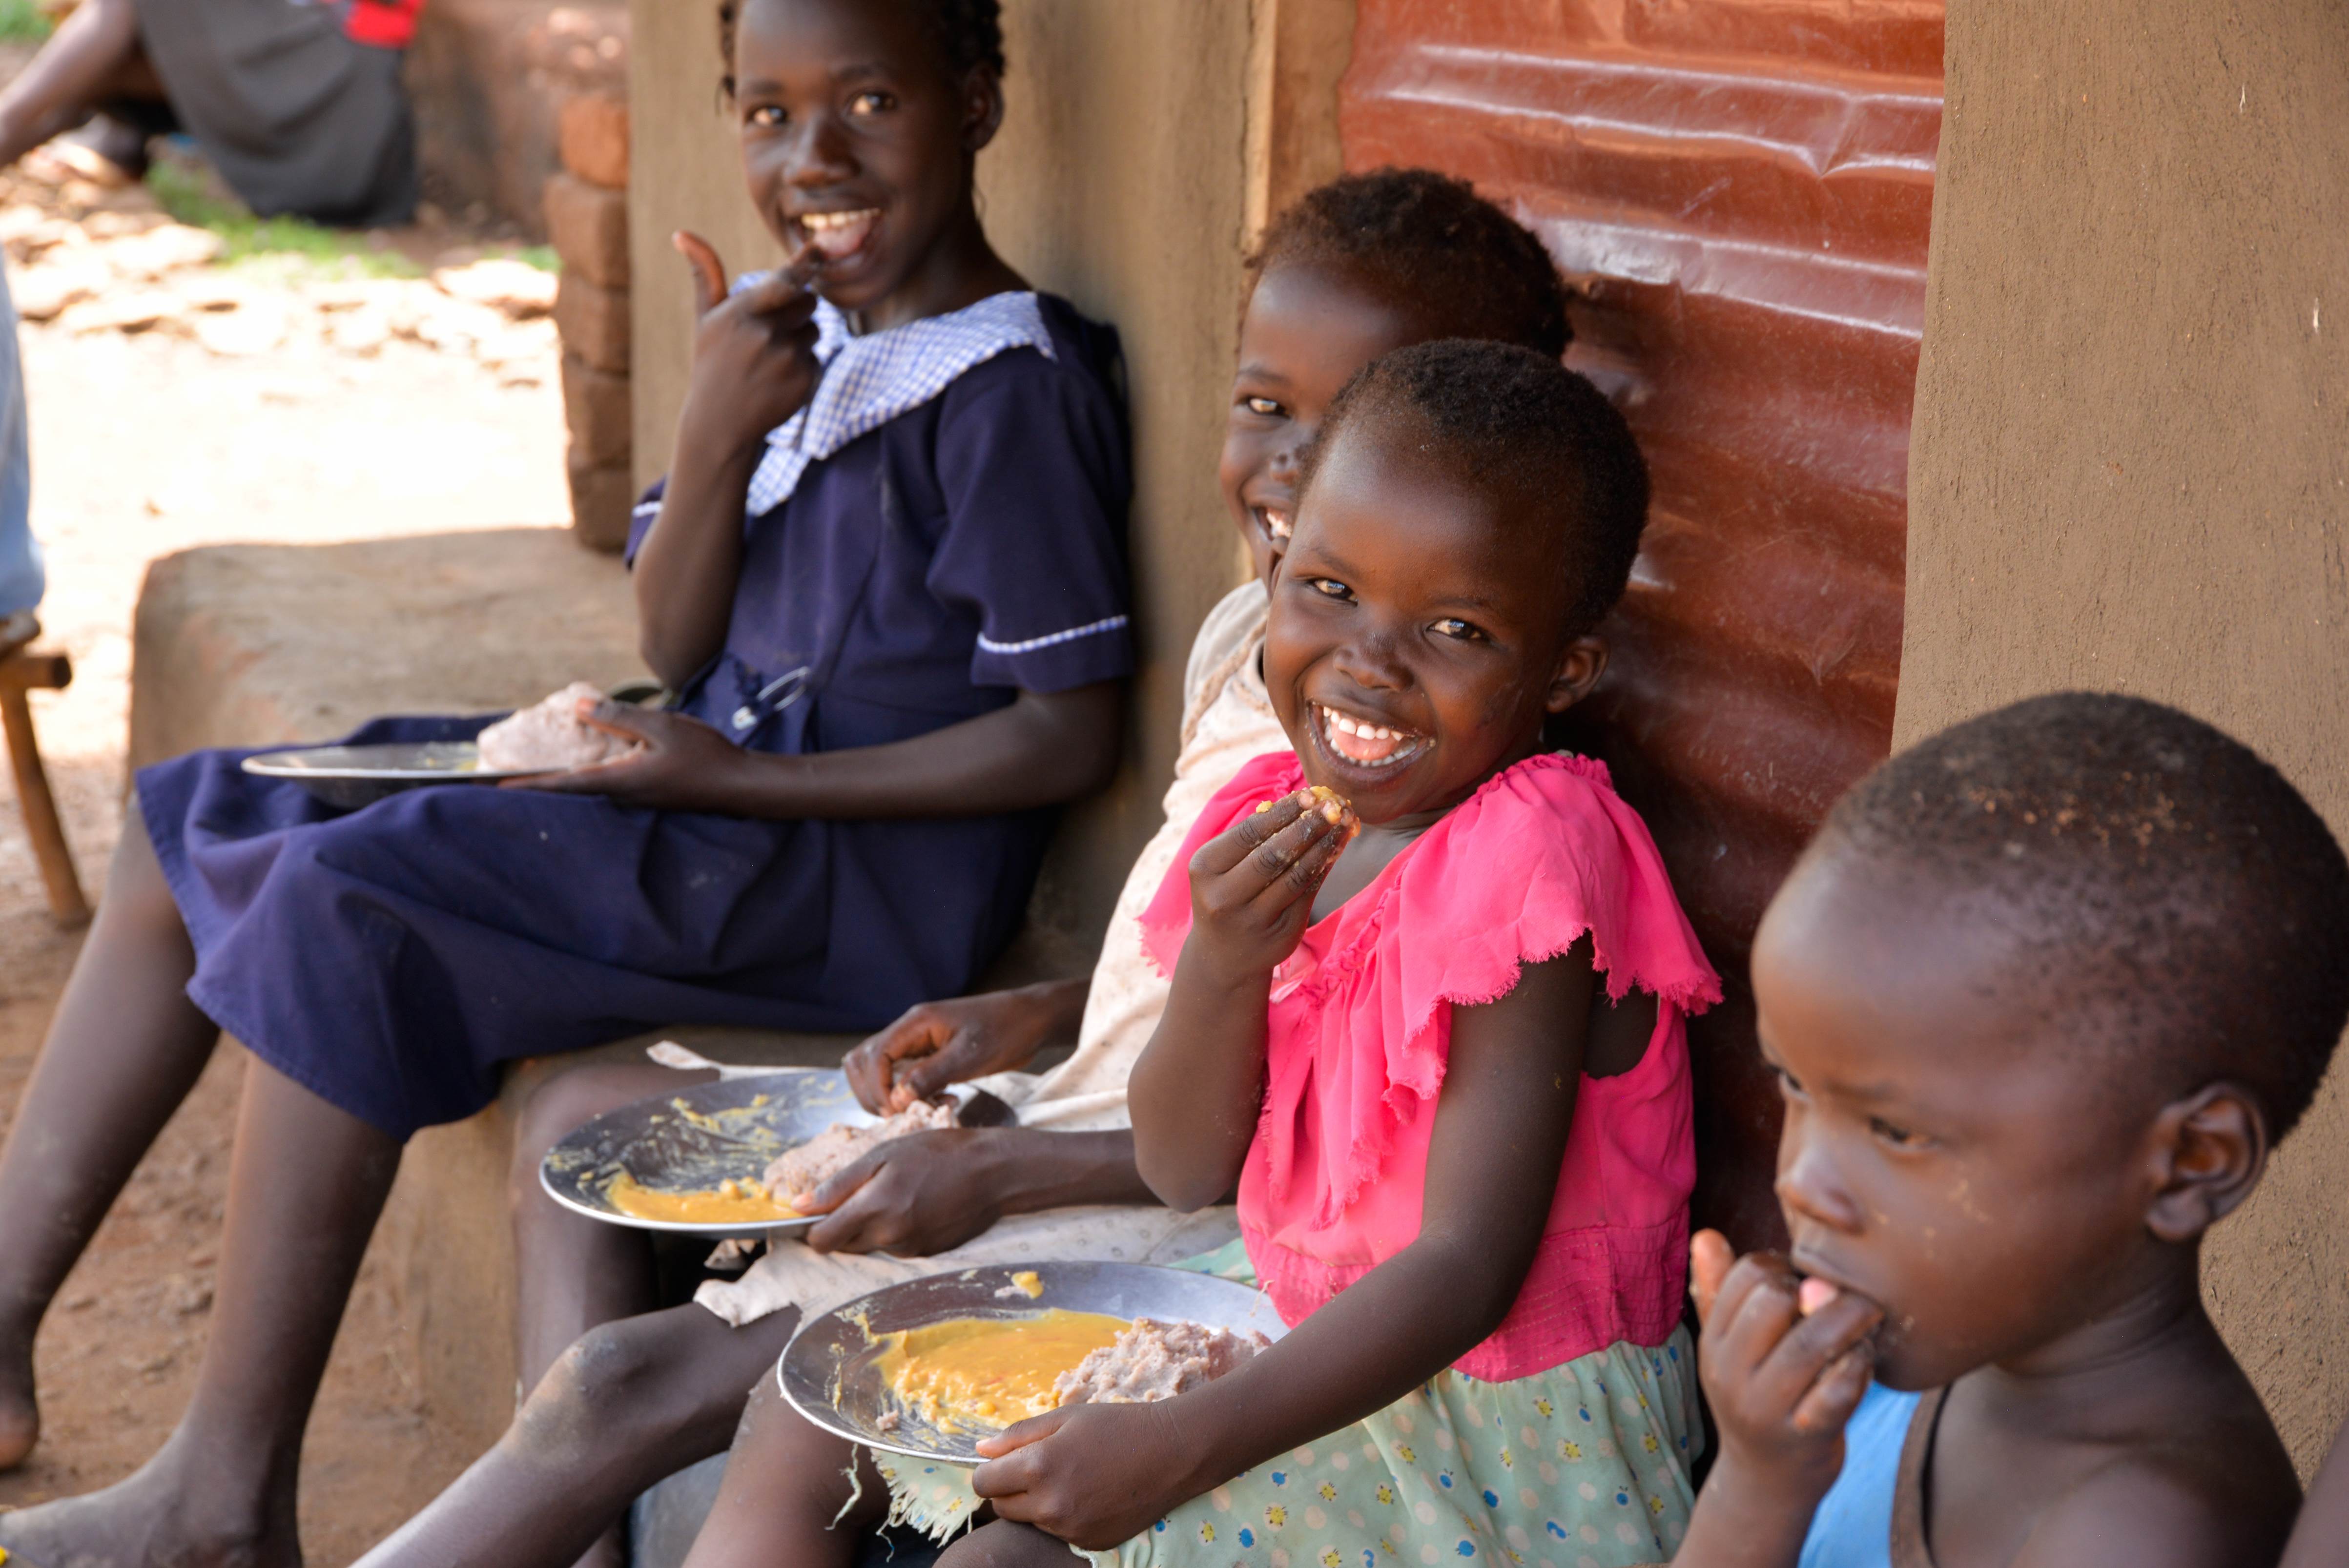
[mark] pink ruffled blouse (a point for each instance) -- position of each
(1360, 1029)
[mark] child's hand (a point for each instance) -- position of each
(936, 1043)
(1252, 886)
(1093, 1475)
(1784, 1361)
(679, 764)
(754, 363)
(913, 1197)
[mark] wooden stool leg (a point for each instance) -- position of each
(40, 808)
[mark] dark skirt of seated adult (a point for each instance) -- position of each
(300, 106)
(388, 959)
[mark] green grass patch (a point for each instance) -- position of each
(22, 22)
(288, 249)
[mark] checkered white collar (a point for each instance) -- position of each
(870, 380)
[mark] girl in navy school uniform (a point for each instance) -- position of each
(895, 657)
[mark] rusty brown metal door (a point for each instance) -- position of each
(1741, 190)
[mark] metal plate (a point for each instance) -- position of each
(827, 1371)
(354, 776)
(696, 1137)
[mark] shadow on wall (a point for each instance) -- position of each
(1743, 195)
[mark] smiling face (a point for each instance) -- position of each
(1307, 329)
(1951, 1150)
(1418, 630)
(858, 144)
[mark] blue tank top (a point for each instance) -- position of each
(1853, 1528)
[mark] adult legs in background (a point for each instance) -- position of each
(632, 1403)
(124, 1049)
(306, 1186)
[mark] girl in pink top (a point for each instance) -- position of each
(1436, 1038)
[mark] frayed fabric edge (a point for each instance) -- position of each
(906, 1510)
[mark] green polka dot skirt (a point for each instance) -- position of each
(1584, 1465)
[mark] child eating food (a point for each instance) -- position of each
(2041, 997)
(887, 577)
(1442, 1058)
(1349, 272)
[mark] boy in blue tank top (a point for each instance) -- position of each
(2041, 999)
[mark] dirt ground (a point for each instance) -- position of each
(151, 433)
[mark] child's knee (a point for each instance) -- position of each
(611, 1379)
(1004, 1544)
(764, 1410)
(779, 1453)
(565, 1101)
(771, 1425)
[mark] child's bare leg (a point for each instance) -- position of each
(306, 1186)
(123, 1050)
(1004, 1544)
(786, 1483)
(89, 53)
(575, 1273)
(631, 1403)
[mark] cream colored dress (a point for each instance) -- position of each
(1228, 719)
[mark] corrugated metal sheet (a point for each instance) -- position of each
(1741, 190)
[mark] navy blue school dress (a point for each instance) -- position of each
(925, 563)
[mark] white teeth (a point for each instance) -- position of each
(1346, 724)
(822, 222)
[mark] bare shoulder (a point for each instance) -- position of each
(2198, 1506)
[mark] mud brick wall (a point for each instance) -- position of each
(587, 223)
(489, 79)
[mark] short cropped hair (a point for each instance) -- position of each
(968, 34)
(2174, 893)
(1428, 245)
(1516, 424)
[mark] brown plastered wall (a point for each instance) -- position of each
(1119, 181)
(1298, 55)
(2130, 466)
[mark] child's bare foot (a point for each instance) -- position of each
(156, 1518)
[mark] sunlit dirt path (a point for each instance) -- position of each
(148, 441)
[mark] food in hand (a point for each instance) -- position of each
(1153, 1360)
(1315, 797)
(1814, 1294)
(798, 1172)
(551, 736)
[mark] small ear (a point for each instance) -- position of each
(2209, 1150)
(982, 108)
(1578, 669)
